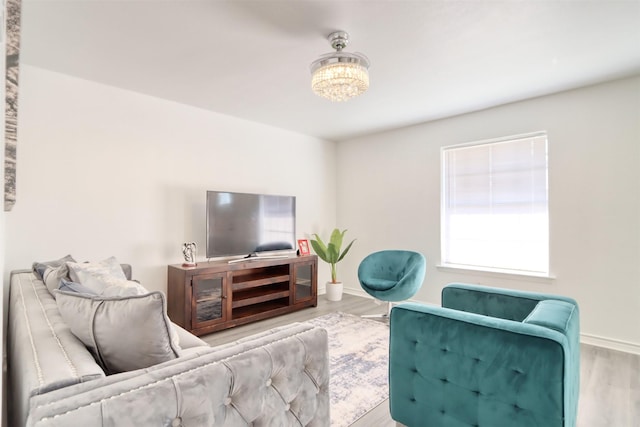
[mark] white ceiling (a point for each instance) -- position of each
(250, 59)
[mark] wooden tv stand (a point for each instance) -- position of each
(218, 295)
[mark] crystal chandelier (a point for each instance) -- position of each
(340, 76)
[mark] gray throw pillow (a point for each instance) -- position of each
(123, 289)
(123, 333)
(52, 276)
(38, 267)
(68, 286)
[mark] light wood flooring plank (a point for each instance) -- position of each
(609, 380)
(349, 304)
(609, 391)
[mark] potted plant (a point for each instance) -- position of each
(332, 254)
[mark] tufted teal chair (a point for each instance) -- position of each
(488, 358)
(392, 275)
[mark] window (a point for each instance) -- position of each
(495, 205)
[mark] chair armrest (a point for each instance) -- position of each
(559, 315)
(446, 365)
(495, 302)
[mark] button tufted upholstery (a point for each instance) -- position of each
(278, 383)
(453, 367)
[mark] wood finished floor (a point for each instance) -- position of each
(609, 383)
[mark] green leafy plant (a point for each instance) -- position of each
(331, 253)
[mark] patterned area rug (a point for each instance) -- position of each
(359, 353)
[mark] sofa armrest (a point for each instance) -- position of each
(495, 302)
(282, 379)
(42, 352)
(446, 365)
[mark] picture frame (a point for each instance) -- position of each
(12, 58)
(303, 246)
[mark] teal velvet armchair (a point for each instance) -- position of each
(488, 357)
(392, 275)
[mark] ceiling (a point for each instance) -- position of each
(250, 59)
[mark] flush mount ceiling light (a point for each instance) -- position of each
(340, 76)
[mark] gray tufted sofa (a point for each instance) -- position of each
(277, 378)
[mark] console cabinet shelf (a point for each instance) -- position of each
(217, 295)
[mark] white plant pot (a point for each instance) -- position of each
(334, 291)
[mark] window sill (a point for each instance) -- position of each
(494, 272)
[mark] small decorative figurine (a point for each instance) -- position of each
(189, 250)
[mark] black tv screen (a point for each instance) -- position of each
(247, 224)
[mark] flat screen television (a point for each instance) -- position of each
(249, 224)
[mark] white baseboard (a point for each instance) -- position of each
(610, 343)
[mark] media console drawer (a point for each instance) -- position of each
(218, 295)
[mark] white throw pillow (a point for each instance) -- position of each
(123, 333)
(124, 289)
(97, 275)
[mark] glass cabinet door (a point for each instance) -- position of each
(208, 303)
(304, 282)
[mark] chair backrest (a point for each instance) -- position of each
(398, 272)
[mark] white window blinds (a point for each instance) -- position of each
(495, 205)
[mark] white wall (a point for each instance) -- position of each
(2, 243)
(2, 216)
(389, 197)
(103, 171)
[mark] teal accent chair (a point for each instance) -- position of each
(392, 275)
(488, 357)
